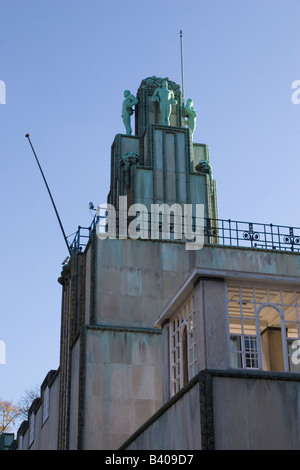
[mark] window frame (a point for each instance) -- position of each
(244, 354)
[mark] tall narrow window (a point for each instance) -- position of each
(244, 352)
(46, 404)
(183, 345)
(31, 428)
(185, 364)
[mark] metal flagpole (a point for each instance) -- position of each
(57, 215)
(182, 80)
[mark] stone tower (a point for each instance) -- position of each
(160, 163)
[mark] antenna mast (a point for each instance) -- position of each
(58, 218)
(182, 80)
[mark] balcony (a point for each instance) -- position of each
(224, 232)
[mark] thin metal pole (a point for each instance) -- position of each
(57, 215)
(182, 78)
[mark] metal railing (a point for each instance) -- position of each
(253, 235)
(82, 236)
(224, 232)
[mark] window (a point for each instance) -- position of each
(251, 352)
(244, 352)
(46, 404)
(263, 322)
(183, 345)
(31, 428)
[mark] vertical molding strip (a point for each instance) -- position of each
(206, 411)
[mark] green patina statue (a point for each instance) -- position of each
(127, 110)
(190, 113)
(166, 98)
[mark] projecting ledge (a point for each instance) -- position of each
(124, 329)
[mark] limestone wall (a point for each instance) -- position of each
(227, 411)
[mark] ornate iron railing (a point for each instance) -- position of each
(253, 235)
(225, 232)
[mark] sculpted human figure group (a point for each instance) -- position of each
(166, 99)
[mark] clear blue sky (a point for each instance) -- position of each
(66, 64)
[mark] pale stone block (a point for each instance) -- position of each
(120, 348)
(109, 253)
(131, 281)
(152, 285)
(97, 346)
(95, 379)
(149, 308)
(120, 416)
(146, 349)
(140, 254)
(176, 258)
(143, 384)
(109, 280)
(131, 310)
(121, 381)
(108, 380)
(109, 309)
